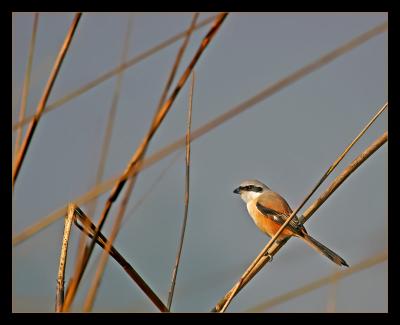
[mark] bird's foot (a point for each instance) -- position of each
(270, 256)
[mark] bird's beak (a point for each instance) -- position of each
(237, 190)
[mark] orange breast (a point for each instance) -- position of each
(265, 224)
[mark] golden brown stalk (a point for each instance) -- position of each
(88, 304)
(91, 295)
(185, 215)
(178, 60)
(167, 150)
(265, 256)
(332, 297)
(365, 264)
(27, 79)
(346, 173)
(327, 173)
(42, 103)
(107, 137)
(109, 74)
(89, 229)
(111, 116)
(131, 169)
(146, 194)
(63, 258)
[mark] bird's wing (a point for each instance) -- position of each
(294, 224)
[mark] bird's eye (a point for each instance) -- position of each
(252, 188)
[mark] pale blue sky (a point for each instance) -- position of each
(287, 141)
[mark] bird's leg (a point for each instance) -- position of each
(278, 242)
(269, 255)
(301, 220)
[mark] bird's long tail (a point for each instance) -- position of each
(322, 249)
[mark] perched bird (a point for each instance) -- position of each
(269, 211)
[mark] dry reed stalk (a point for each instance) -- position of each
(168, 149)
(365, 264)
(89, 229)
(27, 79)
(91, 295)
(63, 258)
(46, 93)
(107, 135)
(146, 194)
(343, 176)
(88, 304)
(111, 115)
(187, 186)
(137, 157)
(327, 173)
(177, 61)
(37, 73)
(262, 258)
(111, 73)
(331, 303)
(114, 253)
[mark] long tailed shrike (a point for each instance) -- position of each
(269, 211)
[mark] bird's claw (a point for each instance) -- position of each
(270, 256)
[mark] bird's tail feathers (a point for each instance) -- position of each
(322, 249)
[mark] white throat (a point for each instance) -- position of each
(248, 196)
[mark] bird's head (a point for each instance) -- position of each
(251, 189)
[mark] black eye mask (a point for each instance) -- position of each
(251, 188)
